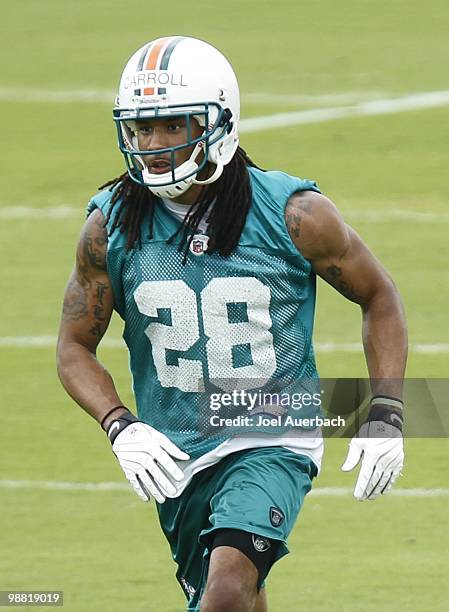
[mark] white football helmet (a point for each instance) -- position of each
(179, 76)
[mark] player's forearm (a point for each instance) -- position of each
(86, 380)
(385, 341)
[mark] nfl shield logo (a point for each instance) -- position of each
(198, 245)
(276, 516)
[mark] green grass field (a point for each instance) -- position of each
(104, 548)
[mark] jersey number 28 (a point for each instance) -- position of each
(223, 336)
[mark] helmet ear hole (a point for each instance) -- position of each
(225, 118)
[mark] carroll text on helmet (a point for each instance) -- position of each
(154, 78)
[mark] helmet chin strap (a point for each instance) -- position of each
(214, 176)
(174, 190)
(166, 191)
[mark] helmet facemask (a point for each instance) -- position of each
(217, 122)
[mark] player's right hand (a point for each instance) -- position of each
(146, 457)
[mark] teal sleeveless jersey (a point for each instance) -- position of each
(214, 322)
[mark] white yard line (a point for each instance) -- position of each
(55, 485)
(321, 347)
(35, 213)
(348, 97)
(17, 94)
(432, 99)
(48, 342)
(67, 96)
(379, 216)
(373, 107)
(63, 485)
(396, 214)
(343, 491)
(356, 347)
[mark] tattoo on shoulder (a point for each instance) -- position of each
(295, 209)
(334, 275)
(94, 243)
(293, 220)
(305, 203)
(86, 297)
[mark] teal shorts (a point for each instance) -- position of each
(260, 491)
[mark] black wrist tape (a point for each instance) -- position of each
(386, 400)
(388, 410)
(109, 413)
(119, 424)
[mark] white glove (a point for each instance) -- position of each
(145, 455)
(379, 443)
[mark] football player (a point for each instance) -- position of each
(211, 263)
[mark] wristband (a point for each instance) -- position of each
(109, 413)
(119, 424)
(388, 410)
(386, 400)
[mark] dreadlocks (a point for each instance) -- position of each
(229, 200)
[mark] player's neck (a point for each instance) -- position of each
(190, 196)
(193, 193)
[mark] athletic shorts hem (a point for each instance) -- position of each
(264, 533)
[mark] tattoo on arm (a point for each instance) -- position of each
(293, 219)
(98, 329)
(320, 234)
(101, 290)
(85, 296)
(75, 301)
(94, 243)
(298, 205)
(334, 276)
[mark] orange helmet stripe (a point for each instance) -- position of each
(153, 57)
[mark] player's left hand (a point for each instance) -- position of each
(379, 443)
